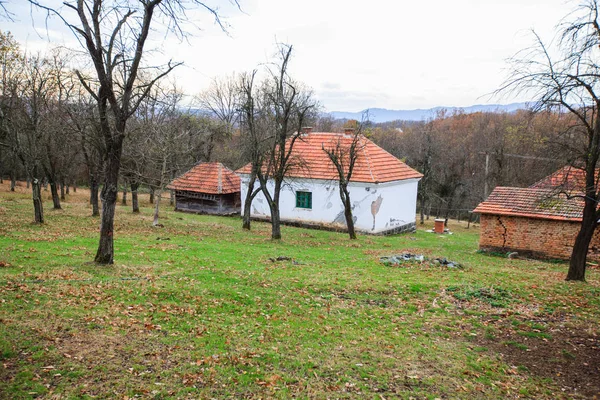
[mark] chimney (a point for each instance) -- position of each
(348, 131)
(307, 129)
(439, 226)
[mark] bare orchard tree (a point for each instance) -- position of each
(32, 113)
(59, 157)
(203, 133)
(221, 100)
(343, 154)
(567, 78)
(84, 125)
(11, 65)
(255, 121)
(114, 34)
(289, 106)
(162, 147)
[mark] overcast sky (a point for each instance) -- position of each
(394, 54)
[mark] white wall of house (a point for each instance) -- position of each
(397, 203)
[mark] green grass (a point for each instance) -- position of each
(197, 309)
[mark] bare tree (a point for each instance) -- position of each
(162, 149)
(33, 97)
(4, 12)
(59, 158)
(344, 153)
(204, 132)
(221, 100)
(82, 123)
(11, 65)
(114, 35)
(251, 111)
(291, 106)
(570, 81)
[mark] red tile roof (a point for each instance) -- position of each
(531, 203)
(208, 177)
(569, 179)
(373, 165)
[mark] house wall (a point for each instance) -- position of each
(397, 204)
(540, 238)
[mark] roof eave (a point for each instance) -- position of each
(528, 215)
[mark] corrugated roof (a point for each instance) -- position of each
(373, 165)
(208, 177)
(532, 203)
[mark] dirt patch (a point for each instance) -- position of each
(570, 356)
(110, 358)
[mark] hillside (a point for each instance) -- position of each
(384, 115)
(202, 309)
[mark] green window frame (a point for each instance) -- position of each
(304, 200)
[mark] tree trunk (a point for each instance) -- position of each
(124, 201)
(246, 222)
(105, 253)
(422, 209)
(274, 207)
(38, 205)
(62, 191)
(156, 208)
(67, 189)
(172, 198)
(349, 221)
(28, 182)
(345, 196)
(13, 181)
(448, 209)
(74, 187)
(248, 202)
(55, 197)
(275, 224)
(577, 263)
(94, 196)
(134, 197)
(151, 195)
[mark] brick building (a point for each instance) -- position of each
(537, 221)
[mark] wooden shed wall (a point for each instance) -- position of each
(201, 203)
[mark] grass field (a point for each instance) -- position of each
(197, 309)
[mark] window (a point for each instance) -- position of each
(304, 200)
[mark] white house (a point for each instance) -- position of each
(383, 189)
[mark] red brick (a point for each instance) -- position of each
(540, 237)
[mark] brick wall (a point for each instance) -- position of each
(539, 238)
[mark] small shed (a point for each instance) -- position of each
(538, 221)
(208, 188)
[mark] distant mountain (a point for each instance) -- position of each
(384, 115)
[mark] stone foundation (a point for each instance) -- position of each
(411, 227)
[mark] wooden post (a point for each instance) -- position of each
(486, 187)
